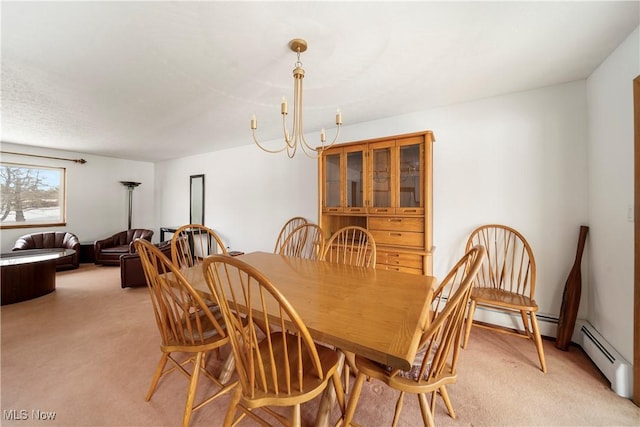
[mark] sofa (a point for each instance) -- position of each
(131, 273)
(107, 251)
(49, 240)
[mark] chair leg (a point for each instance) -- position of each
(538, 341)
(350, 364)
(427, 416)
(191, 393)
(467, 332)
(447, 402)
(156, 376)
(525, 322)
(396, 414)
(231, 412)
(339, 391)
(295, 415)
(353, 400)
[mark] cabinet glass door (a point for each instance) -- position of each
(332, 181)
(382, 176)
(411, 174)
(355, 182)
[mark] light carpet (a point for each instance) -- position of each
(86, 354)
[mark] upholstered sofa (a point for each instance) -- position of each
(49, 240)
(107, 251)
(131, 273)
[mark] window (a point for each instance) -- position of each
(32, 196)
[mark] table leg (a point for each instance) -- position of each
(328, 399)
(227, 369)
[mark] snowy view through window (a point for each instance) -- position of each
(31, 195)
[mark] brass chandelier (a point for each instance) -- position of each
(296, 138)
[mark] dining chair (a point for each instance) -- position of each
(286, 229)
(305, 241)
(277, 367)
(186, 326)
(191, 243)
(435, 363)
(351, 245)
(506, 282)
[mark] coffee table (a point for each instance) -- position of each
(28, 274)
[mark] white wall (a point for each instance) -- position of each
(249, 194)
(518, 159)
(97, 204)
(611, 151)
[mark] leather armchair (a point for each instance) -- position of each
(107, 251)
(53, 239)
(131, 273)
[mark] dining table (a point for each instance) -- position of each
(374, 313)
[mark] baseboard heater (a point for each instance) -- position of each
(617, 370)
(613, 366)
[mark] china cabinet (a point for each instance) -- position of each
(384, 185)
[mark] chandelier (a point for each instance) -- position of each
(296, 137)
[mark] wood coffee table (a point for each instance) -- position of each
(28, 274)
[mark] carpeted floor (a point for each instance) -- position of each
(86, 354)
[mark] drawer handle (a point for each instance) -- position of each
(394, 255)
(382, 210)
(394, 220)
(333, 209)
(395, 234)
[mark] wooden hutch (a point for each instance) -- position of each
(384, 185)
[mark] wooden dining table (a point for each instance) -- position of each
(374, 313)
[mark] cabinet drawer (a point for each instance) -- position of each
(410, 211)
(399, 259)
(398, 268)
(398, 238)
(332, 209)
(396, 224)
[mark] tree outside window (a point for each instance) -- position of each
(31, 196)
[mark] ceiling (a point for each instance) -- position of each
(160, 80)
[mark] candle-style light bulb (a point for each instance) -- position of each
(338, 117)
(254, 122)
(283, 106)
(323, 136)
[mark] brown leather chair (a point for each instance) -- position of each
(107, 251)
(131, 272)
(53, 239)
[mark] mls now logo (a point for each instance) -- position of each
(23, 414)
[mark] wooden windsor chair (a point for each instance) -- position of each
(438, 352)
(305, 241)
(186, 326)
(286, 229)
(192, 243)
(276, 368)
(506, 282)
(351, 245)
